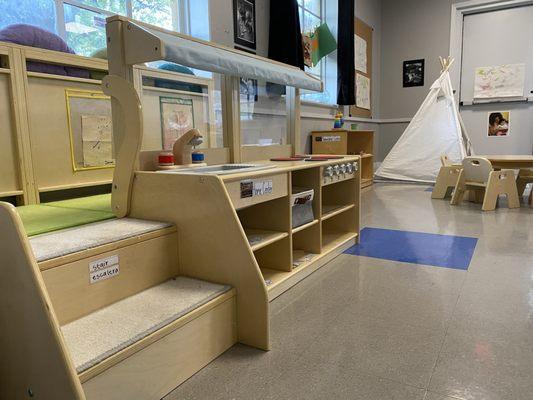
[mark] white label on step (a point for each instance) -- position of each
(103, 269)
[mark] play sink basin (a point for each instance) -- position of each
(223, 169)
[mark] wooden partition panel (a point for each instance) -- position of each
(50, 137)
(212, 245)
(10, 178)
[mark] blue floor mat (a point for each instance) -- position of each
(415, 247)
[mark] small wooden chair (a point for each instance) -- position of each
(479, 176)
(446, 179)
(525, 176)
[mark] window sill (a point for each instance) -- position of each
(318, 104)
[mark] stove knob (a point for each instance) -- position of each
(349, 168)
(355, 166)
(336, 170)
(328, 172)
(343, 168)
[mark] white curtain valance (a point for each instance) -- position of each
(208, 56)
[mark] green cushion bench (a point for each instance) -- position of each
(49, 217)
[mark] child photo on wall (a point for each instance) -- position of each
(499, 123)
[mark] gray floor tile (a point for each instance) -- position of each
(477, 367)
(436, 396)
(385, 348)
(316, 377)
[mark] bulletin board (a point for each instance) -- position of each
(363, 35)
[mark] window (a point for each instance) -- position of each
(312, 14)
(82, 22)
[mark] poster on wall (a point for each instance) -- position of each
(499, 81)
(97, 147)
(360, 54)
(244, 23)
(413, 73)
(499, 123)
(177, 117)
(362, 91)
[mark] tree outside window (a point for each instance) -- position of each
(82, 22)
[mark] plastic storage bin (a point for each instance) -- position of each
(302, 206)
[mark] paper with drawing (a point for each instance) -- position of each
(97, 141)
(499, 81)
(176, 119)
(362, 91)
(360, 54)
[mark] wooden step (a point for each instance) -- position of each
(74, 240)
(103, 333)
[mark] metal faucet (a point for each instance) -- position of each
(183, 147)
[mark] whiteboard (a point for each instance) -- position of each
(496, 38)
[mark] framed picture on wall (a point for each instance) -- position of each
(499, 124)
(413, 73)
(244, 23)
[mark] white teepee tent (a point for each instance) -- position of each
(436, 129)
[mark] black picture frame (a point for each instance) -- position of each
(244, 23)
(413, 73)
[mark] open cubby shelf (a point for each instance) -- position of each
(331, 240)
(304, 226)
(329, 211)
(259, 238)
(286, 255)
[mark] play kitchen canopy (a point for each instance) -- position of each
(196, 53)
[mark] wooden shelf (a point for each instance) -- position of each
(366, 182)
(273, 277)
(300, 258)
(280, 281)
(332, 240)
(366, 155)
(305, 226)
(63, 78)
(13, 193)
(329, 211)
(259, 238)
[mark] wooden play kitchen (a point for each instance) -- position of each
(339, 141)
(129, 299)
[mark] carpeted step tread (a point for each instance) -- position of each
(101, 334)
(67, 241)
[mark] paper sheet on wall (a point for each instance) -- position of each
(360, 54)
(177, 117)
(97, 140)
(362, 91)
(499, 81)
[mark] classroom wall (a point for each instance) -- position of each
(413, 29)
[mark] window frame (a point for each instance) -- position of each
(180, 14)
(325, 64)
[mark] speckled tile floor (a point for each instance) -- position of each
(373, 329)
